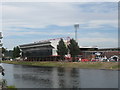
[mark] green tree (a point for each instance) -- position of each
(4, 50)
(16, 52)
(62, 49)
(74, 49)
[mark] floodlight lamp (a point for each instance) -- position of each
(76, 25)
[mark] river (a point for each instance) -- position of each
(22, 76)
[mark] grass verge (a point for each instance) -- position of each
(87, 65)
(11, 88)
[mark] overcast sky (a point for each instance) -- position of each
(26, 22)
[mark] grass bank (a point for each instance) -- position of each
(11, 88)
(87, 65)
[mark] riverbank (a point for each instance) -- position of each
(82, 65)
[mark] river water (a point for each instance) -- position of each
(22, 76)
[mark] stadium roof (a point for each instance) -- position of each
(38, 44)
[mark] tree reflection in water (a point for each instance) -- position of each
(53, 77)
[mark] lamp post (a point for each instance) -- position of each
(76, 28)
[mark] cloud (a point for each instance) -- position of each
(92, 40)
(101, 42)
(101, 23)
(61, 14)
(0, 17)
(34, 33)
(60, 1)
(37, 20)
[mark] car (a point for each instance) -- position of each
(85, 60)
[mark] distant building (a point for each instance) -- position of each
(106, 53)
(88, 48)
(109, 49)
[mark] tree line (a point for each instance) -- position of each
(11, 53)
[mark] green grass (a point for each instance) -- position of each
(11, 88)
(116, 66)
(87, 65)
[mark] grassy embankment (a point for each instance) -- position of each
(87, 65)
(11, 88)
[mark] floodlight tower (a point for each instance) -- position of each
(76, 28)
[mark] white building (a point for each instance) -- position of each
(54, 43)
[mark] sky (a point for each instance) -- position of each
(27, 22)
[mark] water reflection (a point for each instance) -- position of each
(48, 77)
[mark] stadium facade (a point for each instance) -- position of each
(39, 51)
(47, 51)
